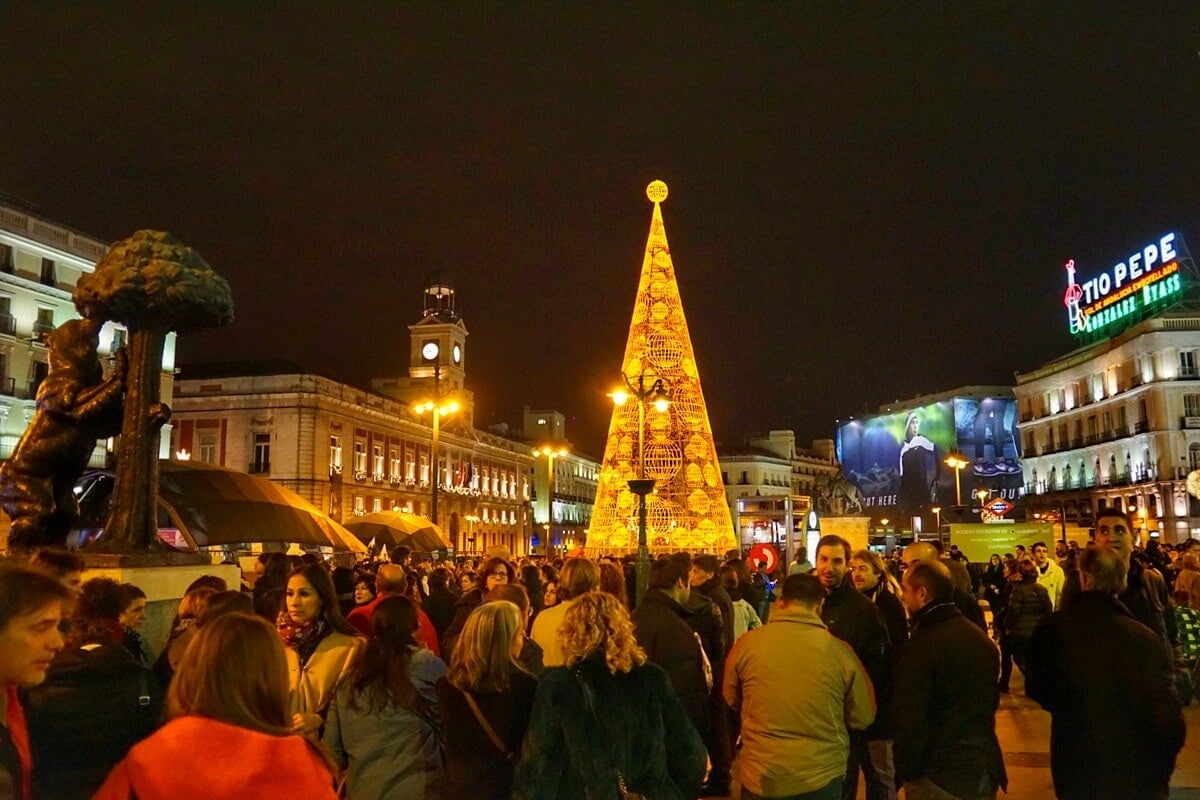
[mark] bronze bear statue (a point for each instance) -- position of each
(76, 405)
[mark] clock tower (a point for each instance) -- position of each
(437, 353)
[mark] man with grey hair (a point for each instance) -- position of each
(1108, 683)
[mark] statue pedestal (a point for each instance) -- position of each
(164, 577)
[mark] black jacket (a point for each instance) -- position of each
(475, 767)
(1145, 596)
(894, 616)
(944, 703)
(661, 628)
(439, 607)
(714, 591)
(1116, 721)
(852, 617)
(94, 705)
(643, 731)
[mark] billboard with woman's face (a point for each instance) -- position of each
(898, 460)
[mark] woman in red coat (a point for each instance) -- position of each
(230, 731)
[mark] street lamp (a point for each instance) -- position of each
(550, 453)
(471, 520)
(956, 461)
(438, 409)
(658, 395)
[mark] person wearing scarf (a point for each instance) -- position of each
(321, 647)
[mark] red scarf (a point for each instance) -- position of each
(14, 720)
(297, 634)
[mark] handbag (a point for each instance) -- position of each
(509, 755)
(623, 791)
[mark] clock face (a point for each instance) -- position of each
(429, 351)
(457, 353)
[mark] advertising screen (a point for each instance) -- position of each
(898, 461)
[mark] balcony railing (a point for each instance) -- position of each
(1141, 426)
(40, 329)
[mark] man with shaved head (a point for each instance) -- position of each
(926, 553)
(390, 581)
(945, 696)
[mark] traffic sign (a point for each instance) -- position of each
(765, 554)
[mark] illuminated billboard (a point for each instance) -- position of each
(898, 461)
(1127, 292)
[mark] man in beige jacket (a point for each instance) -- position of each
(795, 742)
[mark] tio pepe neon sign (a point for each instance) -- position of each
(1143, 279)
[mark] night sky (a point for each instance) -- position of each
(867, 201)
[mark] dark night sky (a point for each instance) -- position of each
(868, 201)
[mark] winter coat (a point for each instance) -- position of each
(794, 737)
(391, 753)
(1145, 595)
(1116, 722)
(1028, 603)
(427, 635)
(944, 703)
(196, 758)
(714, 591)
(462, 609)
(313, 685)
(661, 628)
(852, 617)
(1053, 579)
(475, 767)
(86, 715)
(643, 731)
(894, 615)
(545, 633)
(439, 607)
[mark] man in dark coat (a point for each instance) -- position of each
(705, 617)
(661, 628)
(966, 602)
(945, 696)
(706, 579)
(1116, 721)
(439, 605)
(853, 618)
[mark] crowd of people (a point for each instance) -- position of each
(536, 678)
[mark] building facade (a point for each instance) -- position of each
(770, 483)
(1116, 424)
(564, 483)
(352, 452)
(40, 263)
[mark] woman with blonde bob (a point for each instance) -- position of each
(608, 718)
(486, 688)
(229, 700)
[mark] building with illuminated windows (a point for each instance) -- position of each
(1116, 424)
(40, 263)
(770, 483)
(353, 451)
(564, 483)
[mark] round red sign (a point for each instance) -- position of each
(765, 554)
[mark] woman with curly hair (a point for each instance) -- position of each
(608, 718)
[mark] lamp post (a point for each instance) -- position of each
(471, 520)
(550, 453)
(956, 461)
(937, 511)
(438, 409)
(641, 486)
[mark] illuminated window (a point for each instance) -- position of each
(360, 457)
(394, 463)
(360, 505)
(335, 453)
(1187, 364)
(377, 505)
(410, 465)
(424, 468)
(377, 460)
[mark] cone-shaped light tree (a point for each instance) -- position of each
(671, 445)
(153, 284)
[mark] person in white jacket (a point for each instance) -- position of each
(1050, 574)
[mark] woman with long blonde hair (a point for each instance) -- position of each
(608, 719)
(229, 700)
(485, 701)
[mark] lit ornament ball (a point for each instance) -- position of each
(657, 192)
(1193, 483)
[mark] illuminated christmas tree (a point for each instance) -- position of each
(688, 509)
